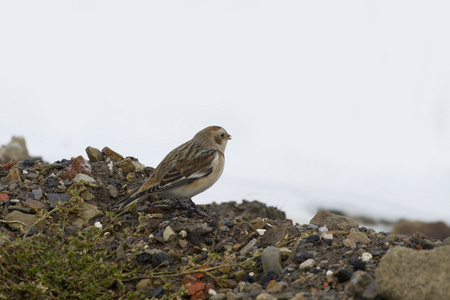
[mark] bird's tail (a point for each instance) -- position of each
(125, 202)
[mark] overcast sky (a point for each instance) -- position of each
(342, 104)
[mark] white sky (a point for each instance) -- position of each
(341, 104)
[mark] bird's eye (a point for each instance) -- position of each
(222, 135)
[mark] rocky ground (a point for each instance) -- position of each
(61, 238)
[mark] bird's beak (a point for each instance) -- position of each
(228, 137)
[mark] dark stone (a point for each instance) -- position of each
(208, 241)
(160, 258)
(302, 255)
(229, 224)
(312, 239)
(144, 259)
(357, 264)
(158, 293)
(50, 181)
(194, 238)
(267, 278)
(378, 253)
(343, 275)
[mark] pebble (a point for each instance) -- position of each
(83, 177)
(169, 235)
(349, 243)
(86, 212)
(271, 260)
(16, 219)
(94, 154)
(113, 192)
(126, 165)
(248, 247)
(307, 264)
(359, 238)
(366, 256)
(35, 205)
(144, 284)
(160, 258)
(13, 176)
(358, 284)
(37, 194)
(261, 231)
(333, 221)
(109, 152)
(53, 198)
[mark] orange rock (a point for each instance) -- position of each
(4, 197)
(77, 166)
(195, 290)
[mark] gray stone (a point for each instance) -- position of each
(16, 150)
(53, 198)
(333, 221)
(358, 284)
(405, 273)
(370, 293)
(113, 192)
(20, 221)
(83, 177)
(349, 243)
(250, 245)
(271, 260)
(37, 194)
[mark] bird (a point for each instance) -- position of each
(187, 170)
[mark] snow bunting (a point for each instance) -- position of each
(187, 170)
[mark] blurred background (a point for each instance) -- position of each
(339, 105)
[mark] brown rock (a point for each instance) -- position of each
(13, 176)
(405, 273)
(257, 223)
(276, 234)
(125, 164)
(35, 205)
(86, 213)
(332, 221)
(358, 237)
(109, 152)
(94, 154)
(436, 230)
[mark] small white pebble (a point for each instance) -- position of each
(323, 228)
(98, 225)
(212, 292)
(330, 276)
(261, 231)
(366, 256)
(251, 274)
(183, 233)
(326, 235)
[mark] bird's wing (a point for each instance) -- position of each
(179, 173)
(186, 171)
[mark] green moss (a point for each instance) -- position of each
(41, 267)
